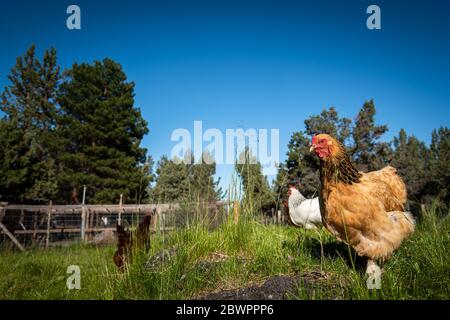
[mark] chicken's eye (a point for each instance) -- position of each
(321, 141)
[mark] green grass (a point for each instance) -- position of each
(197, 261)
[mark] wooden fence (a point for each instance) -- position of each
(46, 224)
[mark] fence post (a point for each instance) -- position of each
(91, 216)
(83, 215)
(236, 212)
(49, 215)
(279, 216)
(155, 219)
(2, 210)
(34, 228)
(83, 222)
(119, 219)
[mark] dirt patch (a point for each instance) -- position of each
(274, 288)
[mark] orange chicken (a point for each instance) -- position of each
(364, 210)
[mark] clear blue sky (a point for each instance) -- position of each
(253, 64)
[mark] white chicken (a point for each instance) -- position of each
(304, 212)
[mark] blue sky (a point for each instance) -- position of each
(253, 64)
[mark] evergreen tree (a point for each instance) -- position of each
(256, 188)
(440, 166)
(410, 158)
(328, 121)
(172, 182)
(368, 152)
(279, 184)
(15, 162)
(28, 129)
(180, 182)
(146, 178)
(102, 130)
(302, 166)
(202, 184)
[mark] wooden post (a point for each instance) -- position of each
(155, 219)
(91, 221)
(34, 228)
(2, 210)
(163, 221)
(236, 212)
(119, 219)
(279, 216)
(139, 213)
(49, 215)
(83, 223)
(10, 235)
(83, 215)
(86, 234)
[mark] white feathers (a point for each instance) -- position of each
(304, 212)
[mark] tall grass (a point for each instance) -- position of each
(191, 262)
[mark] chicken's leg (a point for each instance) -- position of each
(373, 272)
(372, 268)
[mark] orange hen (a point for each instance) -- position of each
(364, 210)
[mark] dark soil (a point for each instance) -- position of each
(274, 288)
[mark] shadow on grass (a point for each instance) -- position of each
(333, 250)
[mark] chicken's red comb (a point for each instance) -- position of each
(314, 140)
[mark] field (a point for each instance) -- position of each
(263, 261)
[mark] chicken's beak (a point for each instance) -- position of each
(312, 148)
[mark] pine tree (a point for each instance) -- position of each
(102, 130)
(329, 122)
(302, 166)
(202, 184)
(368, 152)
(28, 129)
(440, 166)
(280, 184)
(180, 182)
(15, 162)
(142, 195)
(410, 158)
(172, 182)
(257, 192)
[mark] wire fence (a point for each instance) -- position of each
(37, 225)
(49, 225)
